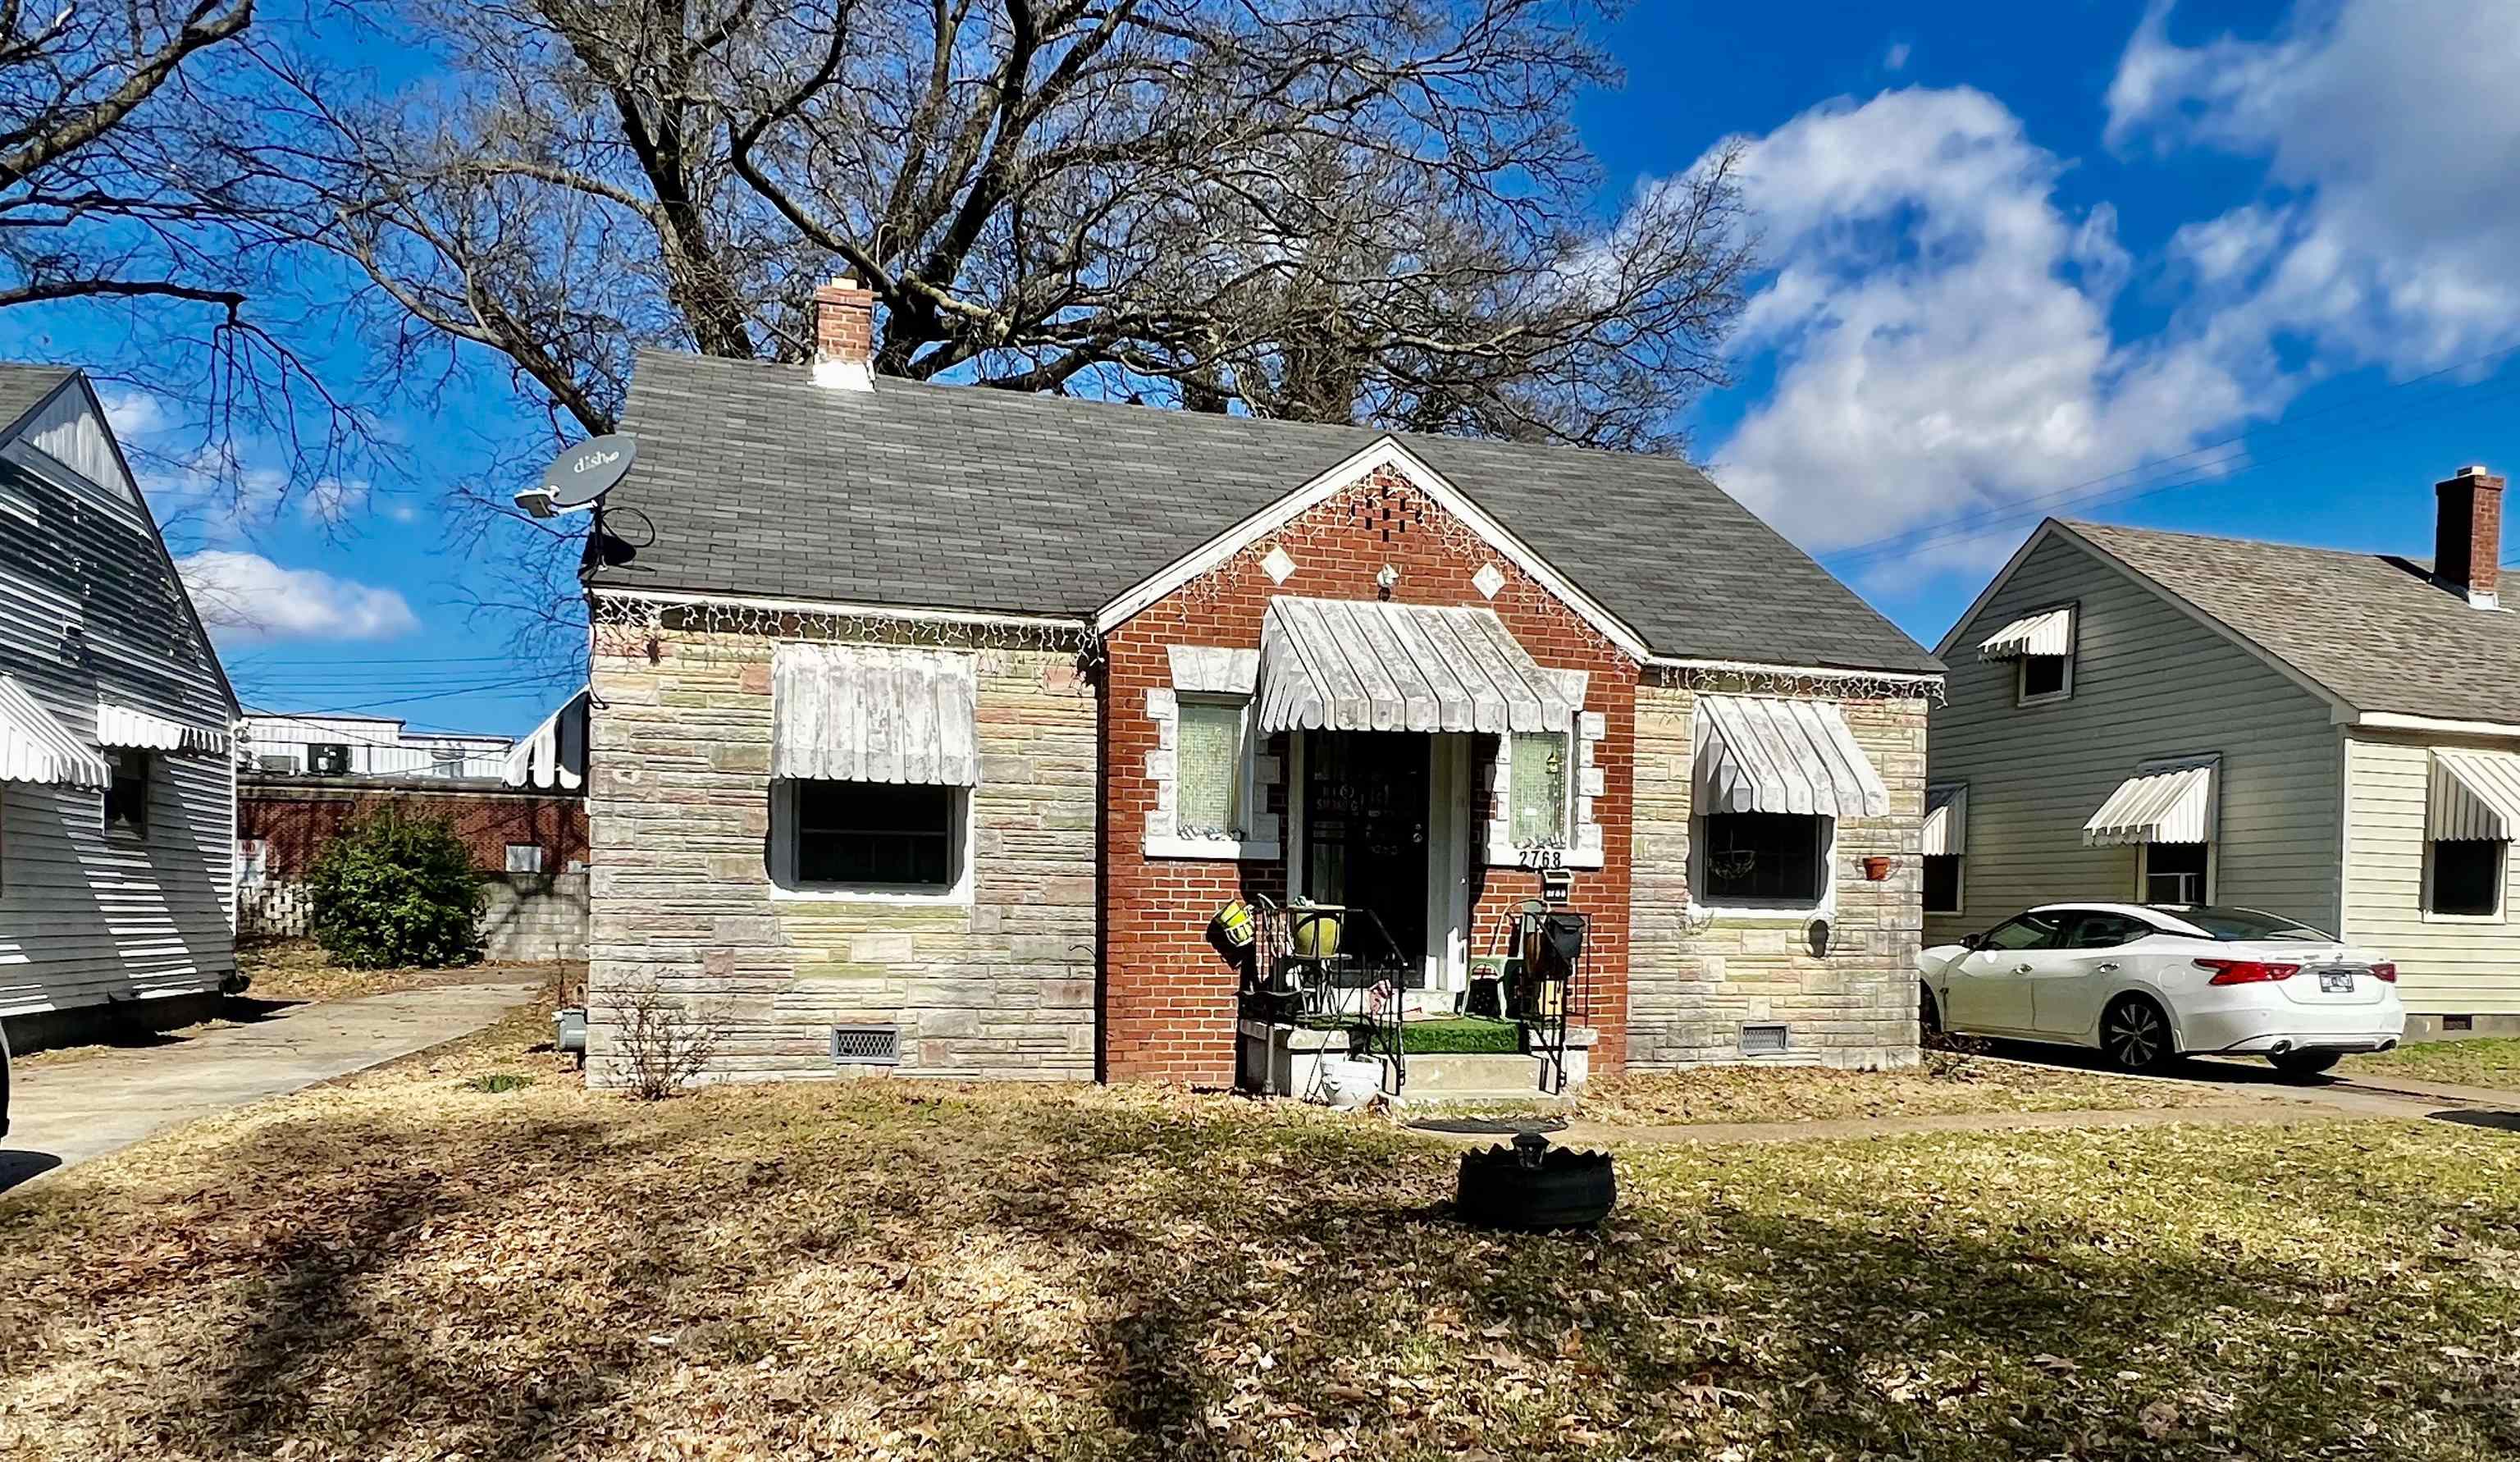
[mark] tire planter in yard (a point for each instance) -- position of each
(1533, 1186)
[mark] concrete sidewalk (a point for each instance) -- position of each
(62, 1116)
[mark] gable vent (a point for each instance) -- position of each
(866, 1045)
(1762, 1041)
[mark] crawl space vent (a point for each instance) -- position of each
(866, 1045)
(1762, 1041)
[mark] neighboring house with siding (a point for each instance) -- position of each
(117, 792)
(364, 746)
(934, 726)
(2332, 736)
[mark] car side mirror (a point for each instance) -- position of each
(1972, 942)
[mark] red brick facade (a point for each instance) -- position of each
(294, 820)
(1169, 997)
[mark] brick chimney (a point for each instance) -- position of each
(844, 335)
(2467, 534)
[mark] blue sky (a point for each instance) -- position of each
(2238, 268)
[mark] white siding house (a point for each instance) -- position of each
(364, 746)
(118, 791)
(2330, 736)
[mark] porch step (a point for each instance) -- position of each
(1476, 1077)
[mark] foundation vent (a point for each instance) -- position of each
(866, 1045)
(1762, 1041)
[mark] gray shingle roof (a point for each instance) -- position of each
(24, 387)
(757, 482)
(2373, 628)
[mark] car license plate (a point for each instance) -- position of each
(2336, 982)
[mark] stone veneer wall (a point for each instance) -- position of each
(679, 803)
(1693, 981)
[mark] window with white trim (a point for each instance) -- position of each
(1540, 789)
(867, 837)
(2463, 877)
(126, 797)
(1941, 883)
(1212, 769)
(2043, 678)
(1764, 859)
(2177, 873)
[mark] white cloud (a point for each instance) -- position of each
(1940, 329)
(1895, 57)
(2391, 148)
(132, 412)
(246, 598)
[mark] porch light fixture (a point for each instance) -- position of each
(1279, 563)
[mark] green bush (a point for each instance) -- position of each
(395, 889)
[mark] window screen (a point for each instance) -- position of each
(126, 797)
(2041, 675)
(2467, 877)
(1208, 790)
(873, 833)
(1536, 810)
(1941, 883)
(2174, 873)
(1764, 856)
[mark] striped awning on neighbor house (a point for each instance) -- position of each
(553, 756)
(1756, 753)
(1946, 819)
(2475, 796)
(1344, 664)
(2158, 804)
(875, 713)
(145, 731)
(2048, 632)
(35, 746)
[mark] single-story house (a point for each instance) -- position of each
(936, 726)
(118, 793)
(2327, 735)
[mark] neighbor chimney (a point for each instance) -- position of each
(844, 335)
(2467, 534)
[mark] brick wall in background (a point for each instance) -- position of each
(293, 819)
(1695, 981)
(1169, 997)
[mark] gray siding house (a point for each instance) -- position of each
(2169, 718)
(118, 793)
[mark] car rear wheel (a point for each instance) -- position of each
(2134, 1033)
(2305, 1063)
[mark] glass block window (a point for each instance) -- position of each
(1540, 771)
(1208, 785)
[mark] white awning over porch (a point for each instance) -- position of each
(1344, 664)
(2048, 632)
(1756, 753)
(873, 713)
(555, 754)
(2475, 796)
(2164, 805)
(35, 746)
(1946, 819)
(141, 730)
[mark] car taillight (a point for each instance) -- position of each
(2386, 973)
(2245, 971)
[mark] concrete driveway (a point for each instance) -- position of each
(62, 1116)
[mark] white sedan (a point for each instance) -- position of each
(2142, 983)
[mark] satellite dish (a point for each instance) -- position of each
(580, 476)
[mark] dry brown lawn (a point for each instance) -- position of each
(298, 970)
(410, 1266)
(1947, 1083)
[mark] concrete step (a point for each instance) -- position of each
(1475, 1076)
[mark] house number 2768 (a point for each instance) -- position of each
(1543, 857)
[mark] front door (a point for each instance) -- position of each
(1365, 838)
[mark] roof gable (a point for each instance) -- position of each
(752, 481)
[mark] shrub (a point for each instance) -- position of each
(396, 889)
(662, 1045)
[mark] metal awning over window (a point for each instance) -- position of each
(2164, 805)
(35, 746)
(2475, 796)
(141, 730)
(2048, 632)
(873, 713)
(1342, 664)
(555, 754)
(1946, 820)
(1759, 754)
